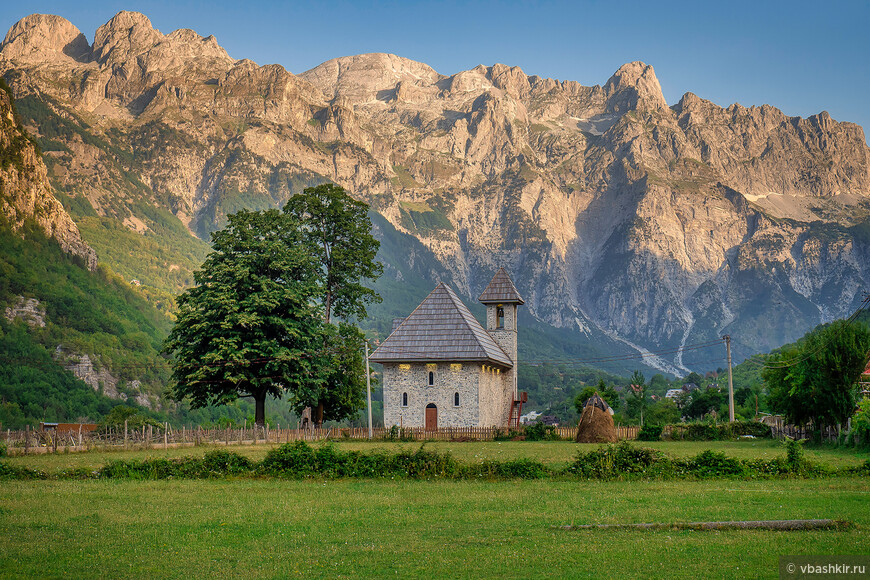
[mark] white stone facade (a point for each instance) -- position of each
(481, 389)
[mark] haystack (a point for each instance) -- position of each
(596, 423)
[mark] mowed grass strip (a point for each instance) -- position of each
(555, 454)
(258, 528)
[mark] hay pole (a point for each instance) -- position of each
(739, 525)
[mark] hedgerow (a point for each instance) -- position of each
(299, 461)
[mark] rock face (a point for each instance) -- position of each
(25, 191)
(661, 226)
(28, 310)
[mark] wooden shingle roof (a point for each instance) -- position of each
(441, 329)
(501, 290)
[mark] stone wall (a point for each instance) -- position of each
(484, 394)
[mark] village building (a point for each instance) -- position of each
(443, 369)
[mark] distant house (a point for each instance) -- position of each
(551, 420)
(530, 417)
(674, 393)
(443, 369)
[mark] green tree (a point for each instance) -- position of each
(339, 391)
(249, 326)
(815, 381)
(338, 230)
(607, 392)
(662, 412)
(636, 402)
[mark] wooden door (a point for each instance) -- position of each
(431, 417)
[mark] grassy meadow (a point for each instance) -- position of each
(273, 528)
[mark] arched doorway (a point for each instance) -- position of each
(431, 417)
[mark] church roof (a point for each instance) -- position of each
(501, 290)
(441, 329)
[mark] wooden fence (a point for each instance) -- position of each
(30, 441)
(150, 437)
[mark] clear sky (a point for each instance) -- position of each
(802, 57)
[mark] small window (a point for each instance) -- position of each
(455, 399)
(431, 379)
(499, 317)
(404, 399)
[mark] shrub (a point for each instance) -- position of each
(650, 432)
(8, 471)
(295, 459)
(396, 433)
(541, 432)
(212, 464)
(425, 464)
(714, 464)
(708, 431)
(859, 436)
(508, 435)
(3, 449)
(614, 461)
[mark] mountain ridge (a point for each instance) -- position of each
(658, 225)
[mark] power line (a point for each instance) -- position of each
(806, 356)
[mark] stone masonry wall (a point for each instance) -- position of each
(414, 380)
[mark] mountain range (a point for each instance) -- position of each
(628, 225)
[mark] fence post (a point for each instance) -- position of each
(54, 441)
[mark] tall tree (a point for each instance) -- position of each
(249, 326)
(339, 230)
(339, 391)
(607, 392)
(816, 380)
(636, 401)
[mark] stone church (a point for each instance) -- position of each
(443, 369)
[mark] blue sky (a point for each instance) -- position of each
(802, 57)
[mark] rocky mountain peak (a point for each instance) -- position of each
(45, 37)
(130, 34)
(126, 34)
(634, 86)
(364, 77)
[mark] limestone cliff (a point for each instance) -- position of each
(660, 226)
(25, 192)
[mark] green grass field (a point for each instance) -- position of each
(269, 528)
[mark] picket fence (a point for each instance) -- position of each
(29, 441)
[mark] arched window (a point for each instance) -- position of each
(404, 399)
(455, 399)
(431, 379)
(499, 317)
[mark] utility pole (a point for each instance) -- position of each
(730, 379)
(369, 388)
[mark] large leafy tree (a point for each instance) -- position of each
(338, 230)
(250, 325)
(815, 381)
